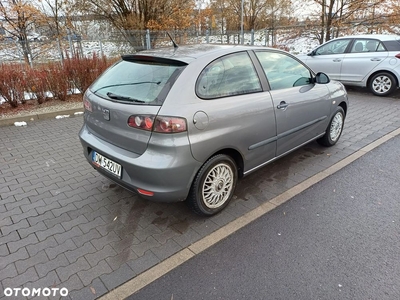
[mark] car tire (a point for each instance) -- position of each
(213, 186)
(382, 84)
(334, 129)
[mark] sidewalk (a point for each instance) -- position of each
(64, 225)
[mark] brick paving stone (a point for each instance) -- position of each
(35, 248)
(10, 206)
(23, 265)
(97, 213)
(5, 222)
(118, 277)
(74, 222)
(86, 249)
(4, 250)
(92, 224)
(42, 235)
(8, 272)
(57, 220)
(42, 217)
(14, 246)
(143, 247)
(141, 264)
(19, 217)
(27, 231)
(26, 195)
(80, 211)
(5, 230)
(58, 211)
(4, 200)
(53, 252)
(80, 265)
(51, 280)
(67, 200)
(59, 262)
(101, 242)
(166, 235)
(80, 240)
(95, 290)
(89, 275)
(94, 258)
(17, 281)
(32, 205)
(72, 284)
(122, 257)
(75, 231)
(169, 248)
(126, 242)
(11, 213)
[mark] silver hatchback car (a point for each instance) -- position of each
(371, 61)
(185, 123)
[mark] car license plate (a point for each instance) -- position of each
(106, 164)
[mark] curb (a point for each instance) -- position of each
(40, 116)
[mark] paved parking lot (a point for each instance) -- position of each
(64, 225)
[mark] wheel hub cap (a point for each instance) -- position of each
(336, 127)
(217, 186)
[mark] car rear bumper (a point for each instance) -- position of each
(166, 169)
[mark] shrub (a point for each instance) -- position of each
(57, 80)
(37, 84)
(12, 83)
(82, 71)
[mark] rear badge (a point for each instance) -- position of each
(106, 114)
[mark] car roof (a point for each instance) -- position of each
(382, 37)
(189, 53)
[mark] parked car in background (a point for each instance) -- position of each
(371, 61)
(185, 123)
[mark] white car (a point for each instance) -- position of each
(369, 60)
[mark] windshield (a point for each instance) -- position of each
(135, 82)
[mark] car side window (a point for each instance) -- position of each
(333, 47)
(366, 45)
(229, 75)
(283, 71)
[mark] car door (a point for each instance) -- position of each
(232, 111)
(364, 56)
(301, 106)
(328, 58)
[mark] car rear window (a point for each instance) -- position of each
(137, 81)
(392, 45)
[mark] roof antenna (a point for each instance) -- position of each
(172, 40)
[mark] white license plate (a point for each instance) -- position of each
(106, 164)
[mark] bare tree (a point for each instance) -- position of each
(20, 16)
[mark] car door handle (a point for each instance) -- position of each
(282, 105)
(337, 60)
(376, 59)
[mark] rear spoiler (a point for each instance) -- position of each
(154, 59)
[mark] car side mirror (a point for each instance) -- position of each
(312, 53)
(322, 78)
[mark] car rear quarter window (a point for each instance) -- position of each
(392, 45)
(229, 75)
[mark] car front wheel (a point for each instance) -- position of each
(213, 186)
(334, 129)
(382, 84)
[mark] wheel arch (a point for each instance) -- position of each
(344, 106)
(383, 71)
(235, 155)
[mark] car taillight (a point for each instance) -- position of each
(160, 124)
(87, 104)
(397, 56)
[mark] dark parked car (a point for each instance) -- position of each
(186, 123)
(369, 60)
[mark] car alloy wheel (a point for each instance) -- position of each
(382, 84)
(213, 186)
(334, 129)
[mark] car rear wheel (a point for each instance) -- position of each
(334, 129)
(382, 84)
(213, 186)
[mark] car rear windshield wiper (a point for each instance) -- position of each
(129, 83)
(123, 98)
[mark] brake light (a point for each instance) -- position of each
(87, 104)
(161, 124)
(145, 193)
(397, 56)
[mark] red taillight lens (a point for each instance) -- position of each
(160, 124)
(170, 124)
(87, 105)
(144, 122)
(397, 56)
